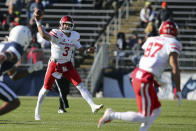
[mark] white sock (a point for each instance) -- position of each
(85, 94)
(41, 96)
(128, 116)
(154, 115)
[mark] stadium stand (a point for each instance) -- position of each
(183, 14)
(89, 22)
(100, 26)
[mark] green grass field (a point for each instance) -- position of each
(80, 118)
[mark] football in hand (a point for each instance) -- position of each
(38, 13)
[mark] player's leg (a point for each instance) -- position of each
(63, 89)
(86, 95)
(41, 96)
(72, 76)
(48, 82)
(10, 98)
(129, 116)
(154, 115)
(155, 109)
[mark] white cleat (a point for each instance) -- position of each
(37, 114)
(96, 108)
(105, 118)
(37, 117)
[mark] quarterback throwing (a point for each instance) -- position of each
(63, 42)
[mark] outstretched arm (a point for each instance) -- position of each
(173, 61)
(38, 14)
(175, 70)
(16, 75)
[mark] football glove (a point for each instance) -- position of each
(35, 67)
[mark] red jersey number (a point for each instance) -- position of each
(66, 51)
(152, 49)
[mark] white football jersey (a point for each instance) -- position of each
(156, 53)
(62, 46)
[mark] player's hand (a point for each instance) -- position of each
(38, 14)
(179, 97)
(36, 67)
(91, 49)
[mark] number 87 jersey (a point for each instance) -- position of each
(156, 53)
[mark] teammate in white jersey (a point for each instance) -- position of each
(159, 52)
(63, 42)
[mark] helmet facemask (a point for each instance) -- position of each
(66, 24)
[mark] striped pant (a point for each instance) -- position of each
(146, 96)
(6, 93)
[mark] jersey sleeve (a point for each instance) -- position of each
(54, 36)
(175, 47)
(77, 40)
(16, 49)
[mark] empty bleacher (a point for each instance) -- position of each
(184, 14)
(88, 21)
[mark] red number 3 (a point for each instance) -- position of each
(152, 49)
(66, 51)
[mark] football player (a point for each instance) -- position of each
(159, 52)
(10, 55)
(63, 42)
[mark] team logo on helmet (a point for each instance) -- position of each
(169, 28)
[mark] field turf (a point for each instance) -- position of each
(80, 118)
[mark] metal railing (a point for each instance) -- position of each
(115, 24)
(101, 60)
(125, 59)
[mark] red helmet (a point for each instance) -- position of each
(169, 28)
(67, 20)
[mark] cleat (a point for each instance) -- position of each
(96, 108)
(37, 114)
(61, 111)
(105, 118)
(37, 117)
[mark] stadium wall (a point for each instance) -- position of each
(119, 85)
(29, 85)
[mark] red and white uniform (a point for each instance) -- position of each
(151, 66)
(157, 50)
(62, 48)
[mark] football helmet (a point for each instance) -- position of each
(169, 28)
(66, 20)
(20, 34)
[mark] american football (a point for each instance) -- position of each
(38, 13)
